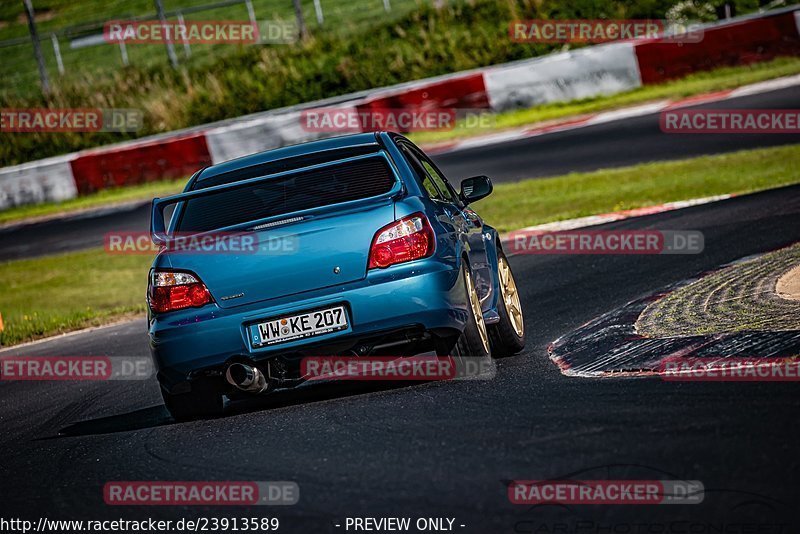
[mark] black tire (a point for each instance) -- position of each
(471, 343)
(504, 335)
(202, 401)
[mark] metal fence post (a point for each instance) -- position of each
(186, 48)
(318, 10)
(57, 52)
(301, 22)
(251, 12)
(37, 50)
(173, 59)
(123, 50)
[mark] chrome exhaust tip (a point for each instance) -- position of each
(247, 379)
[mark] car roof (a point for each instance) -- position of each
(293, 151)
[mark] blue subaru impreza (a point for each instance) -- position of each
(355, 245)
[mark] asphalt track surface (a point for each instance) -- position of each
(445, 449)
(613, 144)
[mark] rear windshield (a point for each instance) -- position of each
(301, 191)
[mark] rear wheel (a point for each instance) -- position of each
(474, 340)
(204, 400)
(508, 335)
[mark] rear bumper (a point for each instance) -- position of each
(424, 295)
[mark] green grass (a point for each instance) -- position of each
(695, 84)
(44, 296)
(101, 199)
(517, 205)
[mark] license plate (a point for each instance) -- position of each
(300, 326)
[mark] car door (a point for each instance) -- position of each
(465, 221)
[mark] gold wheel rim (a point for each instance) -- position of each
(508, 290)
(475, 305)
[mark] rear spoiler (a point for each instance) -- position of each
(158, 226)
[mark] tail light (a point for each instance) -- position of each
(410, 238)
(170, 291)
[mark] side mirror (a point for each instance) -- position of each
(475, 188)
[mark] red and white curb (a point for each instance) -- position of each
(604, 218)
(583, 121)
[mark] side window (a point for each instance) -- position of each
(438, 179)
(422, 175)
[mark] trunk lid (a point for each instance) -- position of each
(314, 253)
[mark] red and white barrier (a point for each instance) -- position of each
(460, 90)
(35, 182)
(256, 135)
(583, 73)
(743, 41)
(139, 162)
